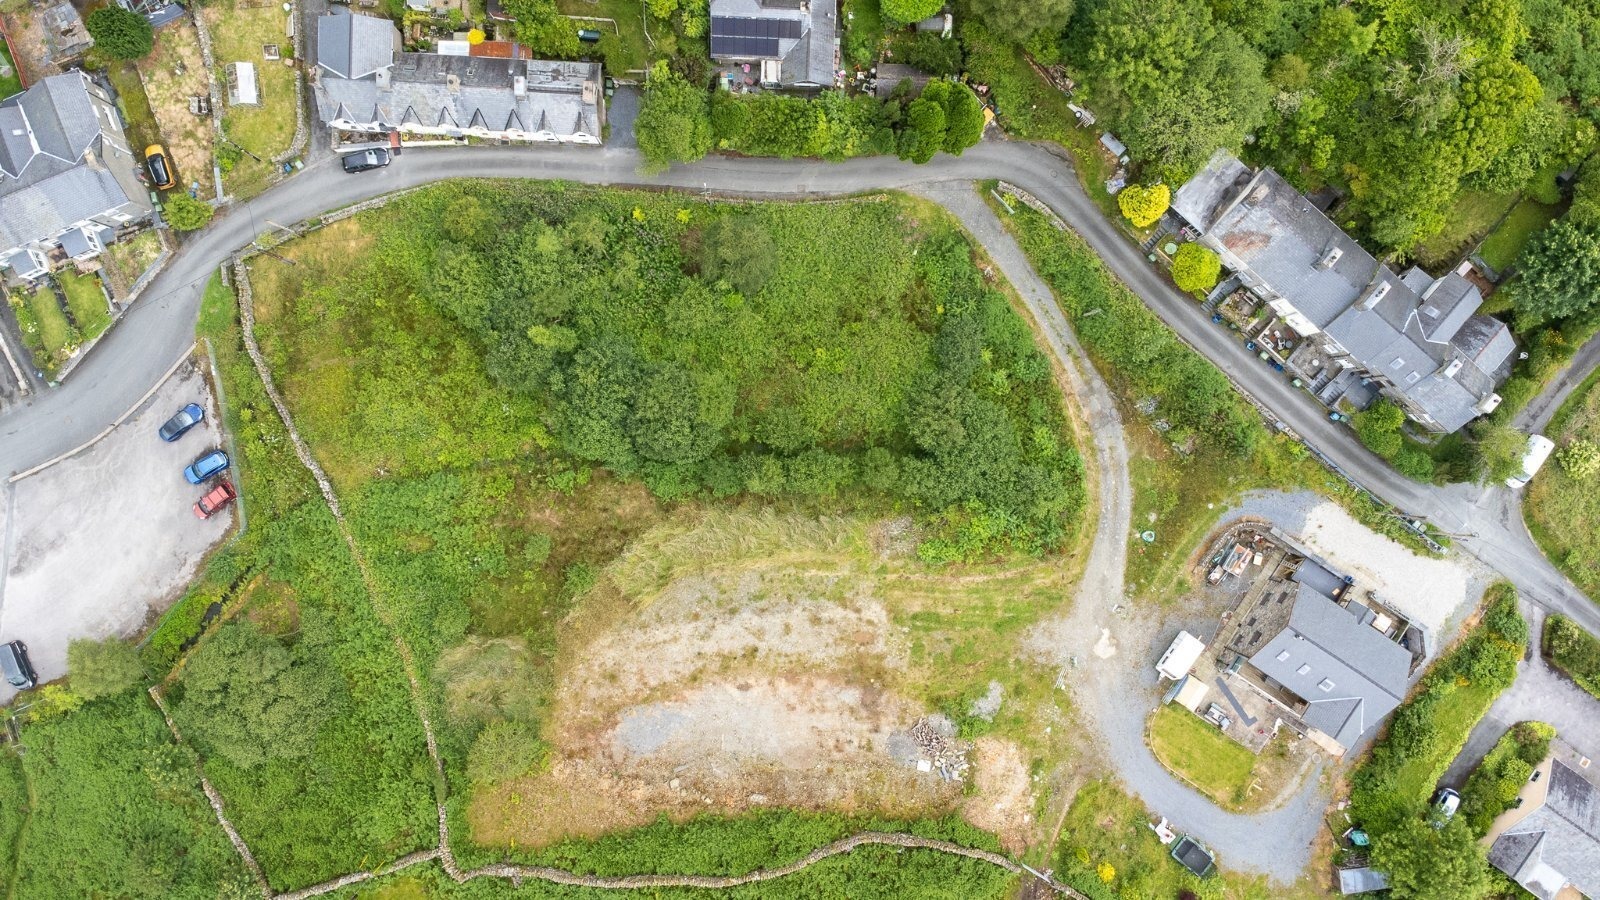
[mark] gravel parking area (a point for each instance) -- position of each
(1434, 593)
(97, 544)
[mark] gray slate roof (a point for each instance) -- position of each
(1362, 880)
(801, 35)
(1279, 243)
(355, 46)
(60, 169)
(1350, 675)
(435, 90)
(1557, 844)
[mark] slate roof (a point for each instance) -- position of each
(1350, 675)
(1362, 880)
(462, 92)
(1417, 332)
(355, 46)
(800, 35)
(1315, 576)
(1558, 843)
(65, 164)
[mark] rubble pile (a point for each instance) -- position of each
(939, 751)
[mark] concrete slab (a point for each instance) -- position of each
(97, 544)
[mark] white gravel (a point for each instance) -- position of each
(1433, 593)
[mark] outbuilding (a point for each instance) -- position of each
(1181, 656)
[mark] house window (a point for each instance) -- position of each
(1413, 377)
(1303, 669)
(1325, 685)
(1397, 364)
(1283, 655)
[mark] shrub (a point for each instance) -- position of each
(1144, 205)
(185, 213)
(1195, 268)
(503, 751)
(1580, 459)
(120, 33)
(1378, 427)
(907, 11)
(102, 668)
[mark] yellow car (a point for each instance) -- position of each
(159, 167)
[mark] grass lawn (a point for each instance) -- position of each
(1563, 512)
(1474, 213)
(1501, 247)
(10, 84)
(624, 46)
(45, 329)
(863, 32)
(1197, 751)
(239, 32)
(86, 302)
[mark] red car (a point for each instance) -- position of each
(219, 497)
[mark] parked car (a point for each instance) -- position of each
(181, 421)
(159, 165)
(218, 498)
(1445, 804)
(15, 666)
(206, 467)
(361, 161)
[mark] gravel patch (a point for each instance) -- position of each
(988, 705)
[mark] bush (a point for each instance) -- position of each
(1574, 651)
(103, 668)
(1144, 205)
(1378, 427)
(1195, 268)
(674, 121)
(1580, 458)
(503, 751)
(906, 12)
(185, 213)
(120, 33)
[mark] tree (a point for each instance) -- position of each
(1018, 20)
(1144, 205)
(674, 121)
(503, 751)
(185, 213)
(246, 696)
(740, 251)
(925, 130)
(907, 11)
(1501, 447)
(1195, 268)
(1427, 863)
(1378, 426)
(963, 114)
(102, 668)
(120, 33)
(1580, 459)
(1558, 272)
(543, 28)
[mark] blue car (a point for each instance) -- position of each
(181, 421)
(206, 467)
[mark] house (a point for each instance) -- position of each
(1332, 668)
(1550, 844)
(68, 178)
(65, 35)
(1417, 338)
(793, 41)
(364, 83)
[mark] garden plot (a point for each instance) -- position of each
(172, 74)
(97, 543)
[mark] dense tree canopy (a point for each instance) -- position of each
(1019, 20)
(1558, 272)
(102, 668)
(120, 33)
(1428, 863)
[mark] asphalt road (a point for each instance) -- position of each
(161, 326)
(1541, 409)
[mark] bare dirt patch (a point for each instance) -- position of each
(27, 39)
(1003, 802)
(172, 73)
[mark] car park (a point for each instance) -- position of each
(216, 500)
(362, 160)
(206, 467)
(159, 165)
(181, 421)
(16, 667)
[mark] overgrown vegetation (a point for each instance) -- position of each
(1393, 784)
(116, 811)
(1574, 651)
(1561, 507)
(1495, 783)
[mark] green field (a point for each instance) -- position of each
(1563, 512)
(1193, 748)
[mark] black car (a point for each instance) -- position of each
(181, 421)
(15, 667)
(376, 158)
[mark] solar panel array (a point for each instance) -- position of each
(750, 37)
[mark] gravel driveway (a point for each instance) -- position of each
(96, 544)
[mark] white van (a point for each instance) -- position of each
(1539, 448)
